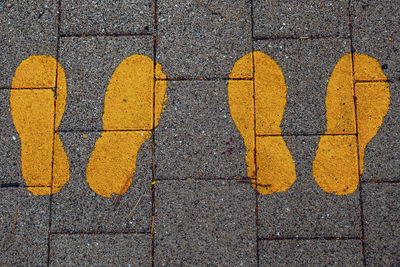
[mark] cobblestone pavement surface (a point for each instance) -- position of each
(191, 196)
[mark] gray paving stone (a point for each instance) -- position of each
(305, 18)
(310, 253)
(102, 250)
(24, 224)
(204, 223)
(305, 210)
(28, 28)
(376, 32)
(196, 136)
(202, 39)
(76, 208)
(10, 146)
(89, 64)
(106, 17)
(382, 220)
(307, 66)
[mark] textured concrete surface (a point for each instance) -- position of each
(196, 137)
(204, 223)
(102, 250)
(381, 214)
(27, 28)
(311, 18)
(184, 206)
(24, 224)
(106, 17)
(10, 163)
(194, 34)
(310, 253)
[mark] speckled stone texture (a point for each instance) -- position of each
(101, 250)
(376, 32)
(305, 210)
(89, 64)
(310, 253)
(10, 146)
(202, 39)
(382, 220)
(24, 225)
(76, 208)
(106, 17)
(304, 18)
(28, 28)
(204, 223)
(196, 136)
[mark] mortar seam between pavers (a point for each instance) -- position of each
(153, 165)
(54, 131)
(357, 139)
(315, 37)
(297, 238)
(254, 129)
(101, 233)
(85, 35)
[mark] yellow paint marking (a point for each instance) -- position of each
(128, 105)
(335, 166)
(373, 101)
(32, 111)
(243, 68)
(275, 166)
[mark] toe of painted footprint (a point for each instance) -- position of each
(351, 124)
(257, 108)
(132, 107)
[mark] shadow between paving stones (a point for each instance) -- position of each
(28, 28)
(106, 17)
(204, 223)
(89, 64)
(382, 220)
(310, 253)
(103, 250)
(196, 136)
(76, 208)
(10, 144)
(24, 224)
(307, 66)
(202, 39)
(312, 18)
(376, 31)
(305, 210)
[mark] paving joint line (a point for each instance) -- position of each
(86, 35)
(315, 37)
(329, 238)
(100, 233)
(357, 139)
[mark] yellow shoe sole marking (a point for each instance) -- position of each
(36, 116)
(338, 162)
(257, 110)
(129, 113)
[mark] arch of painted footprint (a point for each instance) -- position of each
(340, 156)
(133, 104)
(257, 108)
(37, 110)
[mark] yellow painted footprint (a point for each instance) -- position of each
(350, 123)
(133, 104)
(257, 108)
(37, 112)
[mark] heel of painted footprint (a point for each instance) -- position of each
(133, 104)
(354, 113)
(257, 108)
(37, 106)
